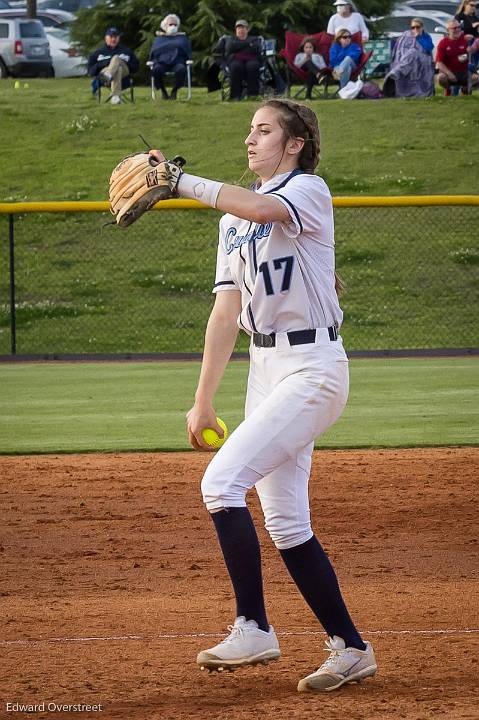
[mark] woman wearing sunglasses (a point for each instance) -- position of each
(344, 56)
(411, 72)
(421, 36)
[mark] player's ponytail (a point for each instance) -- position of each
(298, 120)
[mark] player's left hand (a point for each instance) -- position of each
(157, 154)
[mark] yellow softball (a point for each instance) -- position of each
(212, 438)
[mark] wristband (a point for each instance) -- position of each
(198, 188)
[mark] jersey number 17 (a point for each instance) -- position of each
(277, 265)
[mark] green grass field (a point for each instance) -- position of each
(81, 287)
(82, 407)
(69, 144)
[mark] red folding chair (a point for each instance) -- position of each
(323, 42)
(293, 73)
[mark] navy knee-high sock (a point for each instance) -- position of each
(240, 546)
(311, 570)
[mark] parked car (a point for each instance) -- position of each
(71, 6)
(48, 18)
(24, 48)
(447, 6)
(66, 58)
(399, 21)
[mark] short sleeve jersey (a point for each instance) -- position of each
(284, 270)
(448, 52)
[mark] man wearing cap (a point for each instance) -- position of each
(112, 63)
(346, 18)
(242, 55)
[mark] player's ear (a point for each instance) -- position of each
(294, 145)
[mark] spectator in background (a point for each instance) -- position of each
(411, 72)
(452, 59)
(421, 36)
(241, 53)
(169, 53)
(344, 57)
(311, 62)
(346, 18)
(112, 63)
(467, 16)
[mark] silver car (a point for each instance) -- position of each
(24, 48)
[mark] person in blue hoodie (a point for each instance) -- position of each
(344, 56)
(169, 53)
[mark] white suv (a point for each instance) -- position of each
(24, 48)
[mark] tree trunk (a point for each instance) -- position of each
(31, 9)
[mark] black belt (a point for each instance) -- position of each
(295, 337)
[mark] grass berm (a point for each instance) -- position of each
(80, 284)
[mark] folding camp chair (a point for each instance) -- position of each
(97, 87)
(323, 42)
(153, 90)
(381, 58)
(294, 73)
(268, 73)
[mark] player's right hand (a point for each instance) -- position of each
(201, 416)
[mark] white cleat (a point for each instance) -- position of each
(115, 100)
(245, 645)
(344, 665)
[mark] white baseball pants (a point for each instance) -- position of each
(295, 393)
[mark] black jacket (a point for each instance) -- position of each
(101, 58)
(466, 22)
(229, 45)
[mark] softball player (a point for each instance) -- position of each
(275, 279)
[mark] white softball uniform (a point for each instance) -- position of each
(298, 379)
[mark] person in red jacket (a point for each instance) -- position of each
(452, 59)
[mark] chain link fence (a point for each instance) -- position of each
(81, 286)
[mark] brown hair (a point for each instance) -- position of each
(307, 40)
(299, 121)
(462, 6)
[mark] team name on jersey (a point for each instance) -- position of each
(234, 241)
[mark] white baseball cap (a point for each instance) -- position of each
(341, 2)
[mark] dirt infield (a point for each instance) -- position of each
(111, 571)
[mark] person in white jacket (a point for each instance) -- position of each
(345, 17)
(311, 62)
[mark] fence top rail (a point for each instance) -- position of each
(14, 208)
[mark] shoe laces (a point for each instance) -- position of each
(236, 631)
(335, 654)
